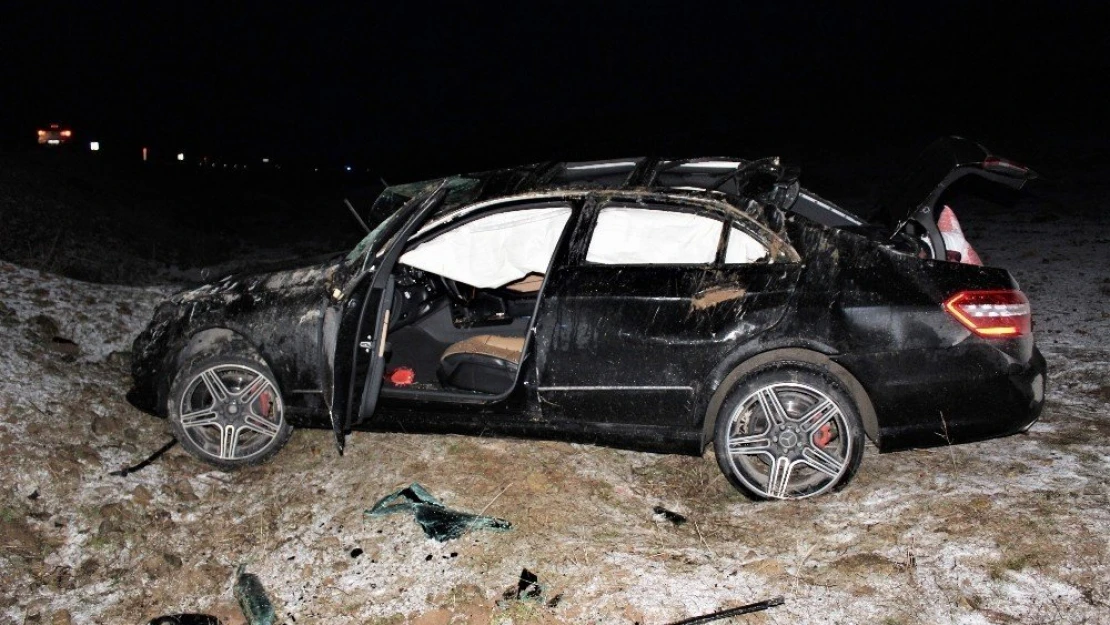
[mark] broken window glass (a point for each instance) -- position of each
(252, 598)
(437, 521)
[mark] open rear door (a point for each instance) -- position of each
(913, 201)
(364, 326)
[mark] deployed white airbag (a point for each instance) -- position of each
(742, 248)
(495, 250)
(642, 236)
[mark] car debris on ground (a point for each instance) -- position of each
(437, 520)
(528, 588)
(731, 612)
(662, 514)
(185, 619)
(124, 472)
(252, 598)
(249, 593)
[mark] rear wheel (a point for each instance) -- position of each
(227, 411)
(788, 431)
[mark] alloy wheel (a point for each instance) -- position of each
(789, 440)
(231, 412)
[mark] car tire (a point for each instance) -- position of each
(227, 410)
(812, 443)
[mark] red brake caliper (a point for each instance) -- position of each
(265, 404)
(824, 435)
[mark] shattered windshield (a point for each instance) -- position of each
(370, 239)
(386, 211)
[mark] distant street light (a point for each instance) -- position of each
(180, 156)
(94, 146)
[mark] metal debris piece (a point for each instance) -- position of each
(437, 521)
(145, 463)
(68, 349)
(723, 614)
(527, 587)
(252, 598)
(673, 517)
(185, 619)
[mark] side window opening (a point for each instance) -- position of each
(626, 235)
(496, 250)
(743, 248)
(465, 300)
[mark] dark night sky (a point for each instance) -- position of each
(430, 88)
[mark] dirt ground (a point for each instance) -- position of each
(1015, 530)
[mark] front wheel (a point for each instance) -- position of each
(788, 431)
(227, 411)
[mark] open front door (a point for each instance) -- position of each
(364, 325)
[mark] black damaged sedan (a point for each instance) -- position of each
(653, 304)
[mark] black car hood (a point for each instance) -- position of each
(270, 278)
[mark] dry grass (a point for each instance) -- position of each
(1004, 531)
(916, 539)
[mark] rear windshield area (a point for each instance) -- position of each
(823, 211)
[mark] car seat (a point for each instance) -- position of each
(485, 363)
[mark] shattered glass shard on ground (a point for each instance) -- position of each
(253, 599)
(437, 521)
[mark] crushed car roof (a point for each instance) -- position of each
(713, 173)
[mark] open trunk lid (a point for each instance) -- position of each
(912, 203)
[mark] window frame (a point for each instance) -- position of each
(468, 214)
(727, 224)
(731, 225)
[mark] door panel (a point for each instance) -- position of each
(634, 344)
(373, 341)
(347, 361)
(363, 329)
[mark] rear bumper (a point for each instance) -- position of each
(927, 398)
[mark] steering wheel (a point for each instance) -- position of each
(455, 290)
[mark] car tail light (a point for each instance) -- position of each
(67, 133)
(992, 314)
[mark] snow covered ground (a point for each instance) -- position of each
(1015, 530)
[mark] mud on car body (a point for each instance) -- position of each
(652, 304)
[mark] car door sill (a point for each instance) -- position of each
(615, 388)
(442, 396)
